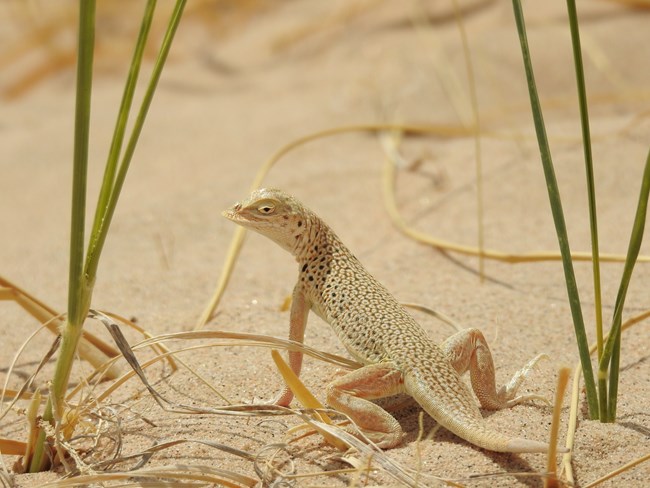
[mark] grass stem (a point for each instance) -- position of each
(558, 215)
(591, 194)
(122, 120)
(83, 274)
(80, 288)
(92, 260)
(611, 349)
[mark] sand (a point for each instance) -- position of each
(228, 100)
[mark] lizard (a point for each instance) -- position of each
(396, 353)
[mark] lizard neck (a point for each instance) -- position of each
(313, 240)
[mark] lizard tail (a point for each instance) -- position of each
(463, 417)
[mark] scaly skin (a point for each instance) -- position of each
(398, 355)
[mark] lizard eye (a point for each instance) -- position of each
(266, 208)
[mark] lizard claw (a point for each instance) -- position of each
(507, 393)
(283, 399)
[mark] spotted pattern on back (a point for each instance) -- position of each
(370, 322)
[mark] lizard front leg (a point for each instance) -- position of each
(297, 322)
(351, 395)
(468, 349)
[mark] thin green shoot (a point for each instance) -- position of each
(591, 195)
(558, 216)
(609, 355)
(94, 252)
(122, 119)
(77, 290)
(611, 350)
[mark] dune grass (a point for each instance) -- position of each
(83, 265)
(79, 293)
(601, 401)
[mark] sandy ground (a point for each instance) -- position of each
(227, 102)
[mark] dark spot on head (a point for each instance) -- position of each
(300, 223)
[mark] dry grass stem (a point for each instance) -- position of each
(177, 472)
(160, 348)
(305, 397)
(622, 469)
(551, 465)
(434, 313)
(258, 340)
(10, 447)
(389, 182)
(91, 348)
(27, 383)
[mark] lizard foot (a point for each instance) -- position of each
(468, 350)
(506, 395)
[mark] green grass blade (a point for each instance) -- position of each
(614, 368)
(122, 119)
(82, 277)
(591, 194)
(77, 285)
(92, 260)
(558, 216)
(611, 349)
(78, 291)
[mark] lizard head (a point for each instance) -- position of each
(272, 213)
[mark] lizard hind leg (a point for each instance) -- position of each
(351, 395)
(468, 350)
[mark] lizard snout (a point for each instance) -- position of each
(231, 213)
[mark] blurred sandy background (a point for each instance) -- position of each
(243, 79)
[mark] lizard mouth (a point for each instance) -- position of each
(233, 213)
(229, 214)
(235, 217)
(239, 216)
